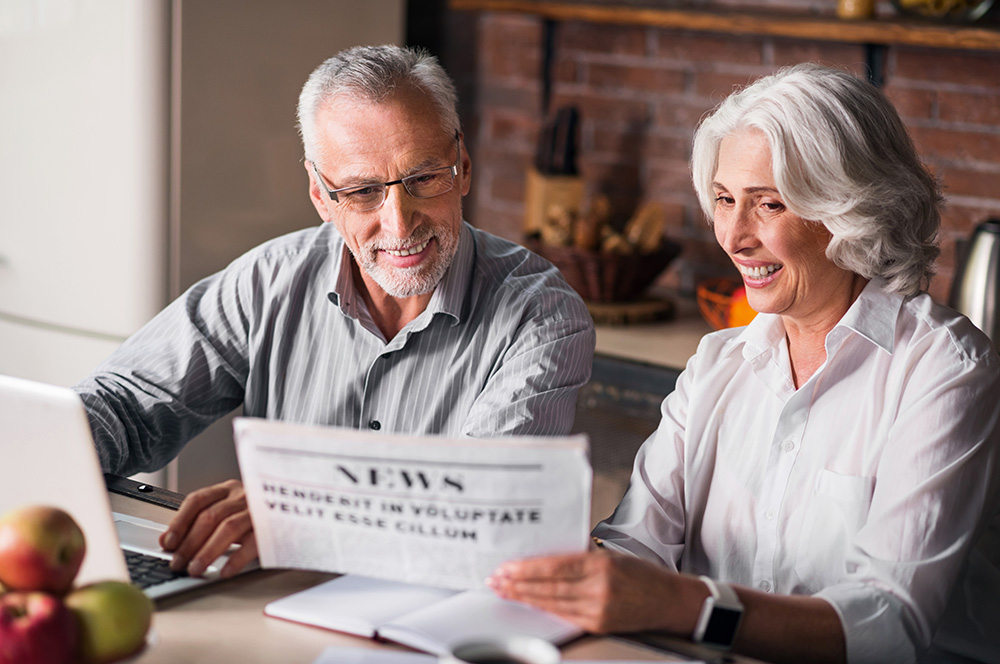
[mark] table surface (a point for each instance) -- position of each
(224, 622)
(669, 343)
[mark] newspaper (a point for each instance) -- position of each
(418, 509)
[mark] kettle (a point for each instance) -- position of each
(975, 291)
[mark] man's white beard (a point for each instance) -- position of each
(416, 280)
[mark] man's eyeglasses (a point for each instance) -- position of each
(371, 196)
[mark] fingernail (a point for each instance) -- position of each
(170, 540)
(196, 568)
(178, 563)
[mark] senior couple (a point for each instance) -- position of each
(823, 483)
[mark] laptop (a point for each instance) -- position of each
(47, 457)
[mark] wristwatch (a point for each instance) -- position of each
(720, 616)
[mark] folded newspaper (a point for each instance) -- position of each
(419, 509)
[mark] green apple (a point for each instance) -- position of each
(35, 628)
(41, 548)
(113, 618)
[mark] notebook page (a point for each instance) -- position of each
(354, 604)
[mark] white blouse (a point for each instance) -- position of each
(868, 486)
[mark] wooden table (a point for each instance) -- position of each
(225, 622)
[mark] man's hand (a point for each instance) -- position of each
(600, 591)
(208, 522)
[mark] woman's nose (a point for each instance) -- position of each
(734, 230)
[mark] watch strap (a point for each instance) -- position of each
(722, 591)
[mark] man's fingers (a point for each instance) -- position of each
(241, 557)
(231, 530)
(213, 530)
(191, 507)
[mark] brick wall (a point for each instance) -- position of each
(642, 90)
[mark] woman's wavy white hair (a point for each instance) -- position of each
(374, 74)
(841, 157)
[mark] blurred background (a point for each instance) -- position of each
(145, 144)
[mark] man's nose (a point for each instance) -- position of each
(398, 211)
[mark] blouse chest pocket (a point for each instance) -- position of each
(835, 510)
(850, 494)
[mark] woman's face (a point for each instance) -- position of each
(780, 255)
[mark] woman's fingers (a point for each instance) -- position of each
(598, 590)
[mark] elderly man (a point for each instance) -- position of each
(394, 316)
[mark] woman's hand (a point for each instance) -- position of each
(599, 590)
(208, 522)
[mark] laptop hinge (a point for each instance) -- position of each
(144, 492)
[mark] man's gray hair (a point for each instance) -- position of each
(374, 74)
(841, 156)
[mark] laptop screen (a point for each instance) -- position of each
(48, 458)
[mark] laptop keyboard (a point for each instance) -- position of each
(147, 571)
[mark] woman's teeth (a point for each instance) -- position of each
(759, 272)
(409, 252)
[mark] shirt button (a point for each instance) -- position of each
(769, 514)
(789, 445)
(374, 425)
(765, 586)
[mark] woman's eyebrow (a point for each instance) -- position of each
(747, 190)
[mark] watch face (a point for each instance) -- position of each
(721, 627)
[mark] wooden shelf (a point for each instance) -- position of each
(888, 31)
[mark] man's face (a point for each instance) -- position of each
(404, 247)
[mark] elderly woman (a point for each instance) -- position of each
(820, 479)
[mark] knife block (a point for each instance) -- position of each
(542, 192)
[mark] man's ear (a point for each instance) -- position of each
(466, 167)
(317, 194)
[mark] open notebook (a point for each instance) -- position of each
(48, 458)
(423, 617)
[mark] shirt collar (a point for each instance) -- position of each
(447, 298)
(450, 293)
(344, 294)
(873, 315)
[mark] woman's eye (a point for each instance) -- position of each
(722, 198)
(773, 207)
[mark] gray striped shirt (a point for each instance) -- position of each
(502, 348)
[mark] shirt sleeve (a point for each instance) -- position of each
(936, 490)
(179, 373)
(547, 359)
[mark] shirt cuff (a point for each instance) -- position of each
(874, 628)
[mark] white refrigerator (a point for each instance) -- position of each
(144, 144)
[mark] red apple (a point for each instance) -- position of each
(41, 548)
(113, 618)
(35, 628)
